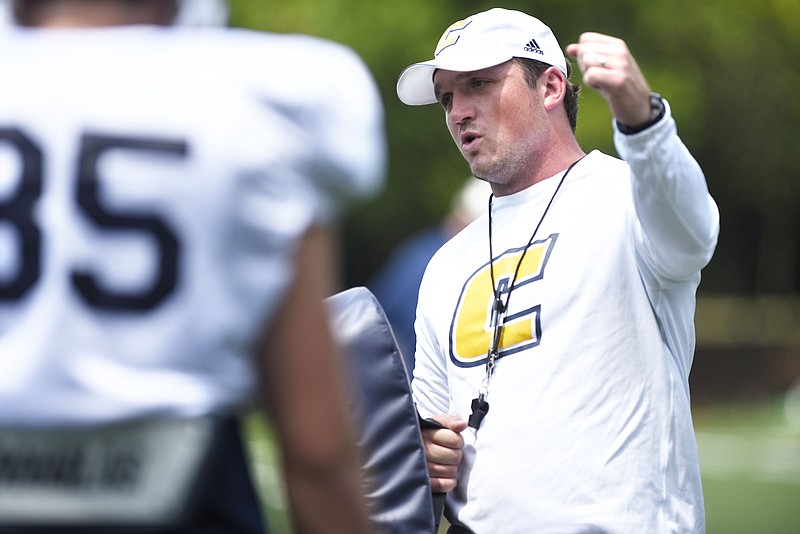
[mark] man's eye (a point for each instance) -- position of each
(445, 100)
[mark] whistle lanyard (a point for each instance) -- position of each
(480, 404)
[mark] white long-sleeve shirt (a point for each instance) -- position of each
(589, 427)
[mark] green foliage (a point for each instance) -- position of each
(750, 462)
(728, 67)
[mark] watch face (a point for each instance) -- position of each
(657, 111)
(656, 107)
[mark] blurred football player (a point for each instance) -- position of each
(168, 203)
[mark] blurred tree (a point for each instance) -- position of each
(728, 67)
(746, 57)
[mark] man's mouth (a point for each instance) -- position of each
(468, 140)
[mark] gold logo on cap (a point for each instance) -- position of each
(451, 35)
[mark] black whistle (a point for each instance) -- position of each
(479, 410)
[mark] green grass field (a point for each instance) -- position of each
(750, 458)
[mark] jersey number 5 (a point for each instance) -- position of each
(18, 211)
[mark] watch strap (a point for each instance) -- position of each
(657, 111)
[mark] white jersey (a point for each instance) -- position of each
(154, 183)
(589, 426)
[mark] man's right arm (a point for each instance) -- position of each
(442, 436)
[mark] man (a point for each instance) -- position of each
(555, 333)
(168, 198)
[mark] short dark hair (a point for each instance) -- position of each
(533, 69)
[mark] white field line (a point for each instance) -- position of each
(768, 457)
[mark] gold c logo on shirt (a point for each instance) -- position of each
(471, 331)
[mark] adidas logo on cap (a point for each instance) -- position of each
(534, 47)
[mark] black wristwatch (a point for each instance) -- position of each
(657, 110)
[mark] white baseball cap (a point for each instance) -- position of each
(479, 42)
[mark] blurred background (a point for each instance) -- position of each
(731, 71)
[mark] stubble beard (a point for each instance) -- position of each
(505, 171)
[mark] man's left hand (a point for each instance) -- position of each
(609, 67)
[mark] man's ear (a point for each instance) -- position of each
(555, 87)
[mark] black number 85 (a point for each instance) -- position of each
(18, 211)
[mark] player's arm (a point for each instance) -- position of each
(303, 385)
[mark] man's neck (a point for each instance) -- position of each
(550, 164)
